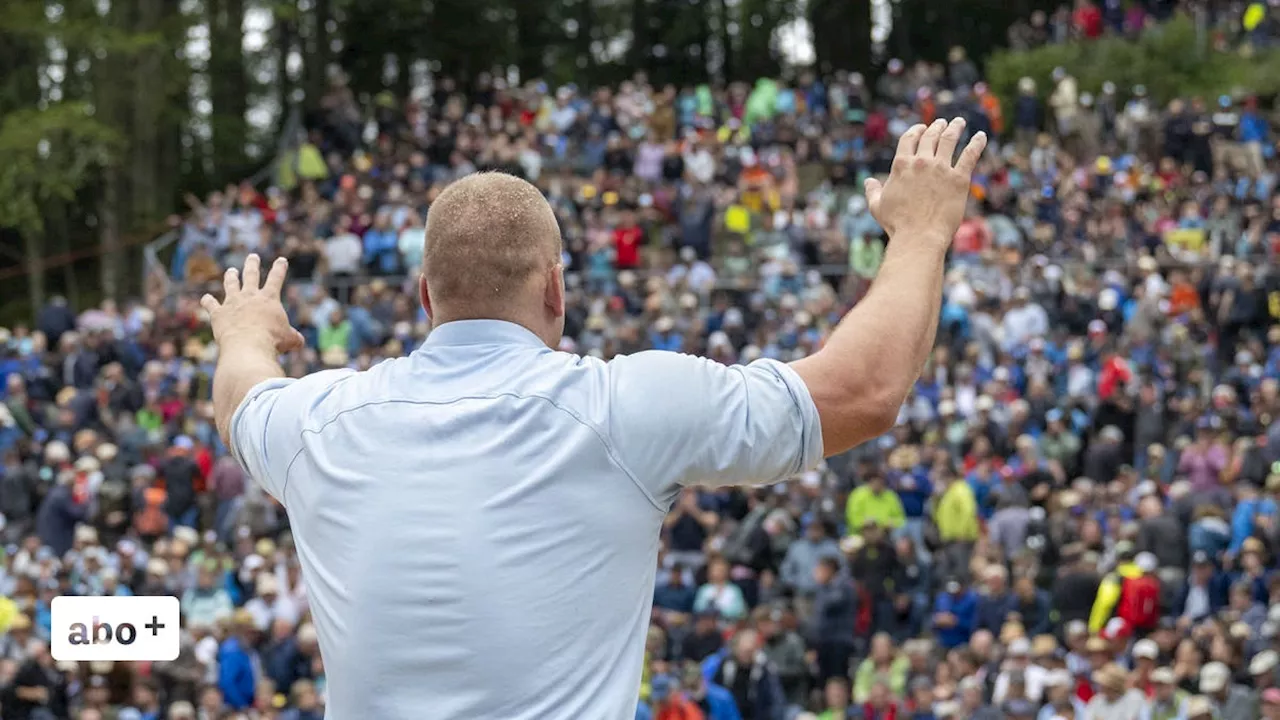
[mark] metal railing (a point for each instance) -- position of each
(344, 284)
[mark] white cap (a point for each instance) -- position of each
(1198, 705)
(1146, 649)
(1020, 647)
(1146, 562)
(1060, 677)
(1214, 677)
(1263, 662)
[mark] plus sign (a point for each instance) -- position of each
(155, 626)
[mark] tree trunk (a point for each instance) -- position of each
(727, 65)
(531, 40)
(58, 235)
(641, 45)
(143, 163)
(109, 236)
(286, 32)
(228, 85)
(34, 249)
(317, 51)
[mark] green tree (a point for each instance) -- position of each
(1171, 62)
(50, 155)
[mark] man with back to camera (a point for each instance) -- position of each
(526, 593)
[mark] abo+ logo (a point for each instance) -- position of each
(115, 628)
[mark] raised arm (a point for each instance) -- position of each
(252, 330)
(860, 378)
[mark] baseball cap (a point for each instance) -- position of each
(1020, 647)
(1146, 562)
(1163, 676)
(1264, 662)
(660, 687)
(1146, 649)
(1214, 677)
(182, 442)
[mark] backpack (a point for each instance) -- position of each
(1139, 604)
(152, 520)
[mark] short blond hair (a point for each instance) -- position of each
(487, 235)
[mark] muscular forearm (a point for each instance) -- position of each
(875, 354)
(243, 361)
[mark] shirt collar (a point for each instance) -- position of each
(481, 332)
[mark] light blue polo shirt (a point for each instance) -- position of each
(478, 522)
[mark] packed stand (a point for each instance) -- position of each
(1075, 518)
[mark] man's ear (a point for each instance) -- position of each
(423, 296)
(554, 294)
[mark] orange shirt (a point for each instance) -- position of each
(678, 708)
(991, 106)
(1183, 298)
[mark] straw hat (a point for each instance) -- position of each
(1111, 677)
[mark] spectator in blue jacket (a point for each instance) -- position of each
(802, 557)
(955, 614)
(997, 603)
(236, 678)
(675, 595)
(382, 247)
(715, 702)
(1205, 592)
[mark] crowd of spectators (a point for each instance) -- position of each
(1076, 516)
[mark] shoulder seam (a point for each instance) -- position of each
(604, 440)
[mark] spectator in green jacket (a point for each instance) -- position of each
(873, 501)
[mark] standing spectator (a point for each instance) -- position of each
(181, 476)
(237, 676)
(715, 702)
(746, 674)
(834, 620)
(874, 503)
(955, 614)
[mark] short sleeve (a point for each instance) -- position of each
(679, 420)
(266, 430)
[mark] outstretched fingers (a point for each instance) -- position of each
(252, 272)
(950, 138)
(929, 141)
(209, 303)
(872, 189)
(972, 153)
(230, 282)
(275, 277)
(910, 141)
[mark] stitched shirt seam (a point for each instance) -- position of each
(608, 446)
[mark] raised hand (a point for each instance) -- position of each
(925, 195)
(250, 312)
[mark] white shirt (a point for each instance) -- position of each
(244, 226)
(701, 165)
(478, 522)
(344, 253)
